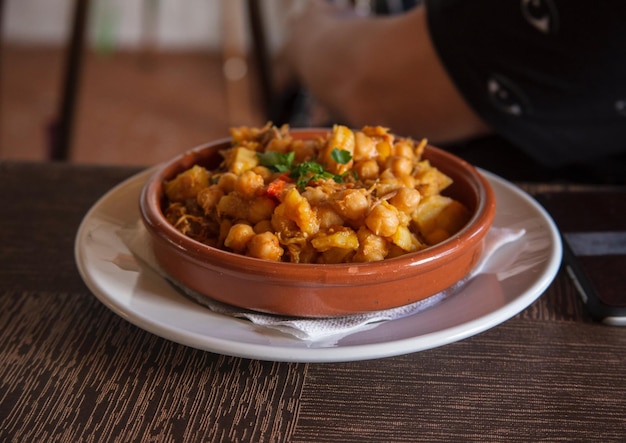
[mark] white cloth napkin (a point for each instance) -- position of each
(135, 238)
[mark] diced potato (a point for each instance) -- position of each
(383, 149)
(335, 255)
(453, 217)
(438, 217)
(241, 159)
(344, 238)
(235, 207)
(395, 251)
(342, 138)
(427, 212)
(298, 209)
(307, 254)
(187, 184)
(430, 180)
(437, 236)
(301, 252)
(405, 239)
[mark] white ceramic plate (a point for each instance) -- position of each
(520, 274)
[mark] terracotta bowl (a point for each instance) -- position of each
(317, 290)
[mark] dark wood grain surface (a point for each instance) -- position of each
(73, 371)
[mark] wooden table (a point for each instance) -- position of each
(71, 370)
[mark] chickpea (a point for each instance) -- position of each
(249, 184)
(227, 182)
(371, 246)
(265, 246)
(315, 196)
(352, 204)
(298, 209)
(232, 205)
(367, 169)
(364, 147)
(404, 217)
(304, 150)
(281, 223)
(263, 226)
(387, 176)
(383, 220)
(407, 181)
(404, 149)
(328, 217)
(278, 144)
(263, 172)
(400, 166)
(261, 208)
(385, 186)
(187, 184)
(209, 197)
(406, 199)
(238, 237)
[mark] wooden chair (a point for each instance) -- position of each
(288, 106)
(62, 127)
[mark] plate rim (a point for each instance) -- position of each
(353, 352)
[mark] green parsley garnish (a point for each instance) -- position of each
(276, 161)
(309, 171)
(304, 172)
(341, 156)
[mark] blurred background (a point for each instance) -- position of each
(134, 82)
(155, 77)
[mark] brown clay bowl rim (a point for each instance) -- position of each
(315, 274)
